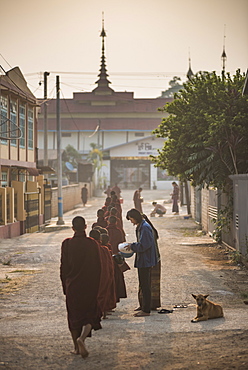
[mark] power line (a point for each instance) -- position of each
(69, 111)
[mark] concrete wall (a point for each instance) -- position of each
(205, 203)
(71, 197)
(11, 230)
(19, 189)
(240, 212)
(192, 201)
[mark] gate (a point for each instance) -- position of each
(212, 210)
(47, 202)
(31, 204)
(130, 174)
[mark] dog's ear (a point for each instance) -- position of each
(194, 296)
(205, 296)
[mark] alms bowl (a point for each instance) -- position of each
(125, 253)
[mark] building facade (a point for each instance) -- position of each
(18, 143)
(116, 122)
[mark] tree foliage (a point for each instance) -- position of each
(206, 130)
(96, 156)
(175, 86)
(71, 155)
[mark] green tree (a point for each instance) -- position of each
(206, 130)
(174, 88)
(96, 158)
(71, 155)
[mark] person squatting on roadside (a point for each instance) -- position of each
(146, 257)
(80, 273)
(158, 209)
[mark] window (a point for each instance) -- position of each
(4, 180)
(66, 134)
(22, 123)
(30, 129)
(21, 177)
(139, 134)
(13, 125)
(4, 120)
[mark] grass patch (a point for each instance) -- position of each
(11, 285)
(191, 232)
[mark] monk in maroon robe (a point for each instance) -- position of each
(137, 199)
(117, 190)
(106, 204)
(100, 219)
(80, 273)
(119, 223)
(117, 204)
(116, 237)
(106, 294)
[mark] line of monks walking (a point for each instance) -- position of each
(108, 232)
(91, 271)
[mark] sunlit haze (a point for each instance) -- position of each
(148, 41)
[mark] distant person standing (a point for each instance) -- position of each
(84, 194)
(137, 199)
(117, 190)
(108, 191)
(175, 198)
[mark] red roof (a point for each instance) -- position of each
(109, 115)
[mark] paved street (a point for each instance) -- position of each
(33, 322)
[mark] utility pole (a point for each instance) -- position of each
(59, 168)
(45, 120)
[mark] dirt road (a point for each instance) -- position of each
(33, 324)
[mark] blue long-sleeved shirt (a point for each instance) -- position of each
(144, 248)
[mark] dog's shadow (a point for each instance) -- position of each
(211, 323)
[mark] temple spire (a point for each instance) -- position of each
(223, 55)
(103, 82)
(190, 72)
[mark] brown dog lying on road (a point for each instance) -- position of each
(206, 309)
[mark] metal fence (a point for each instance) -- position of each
(47, 202)
(31, 204)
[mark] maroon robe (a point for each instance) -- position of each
(80, 272)
(117, 191)
(100, 222)
(119, 224)
(106, 293)
(120, 286)
(116, 236)
(118, 207)
(137, 199)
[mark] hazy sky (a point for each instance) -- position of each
(148, 41)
